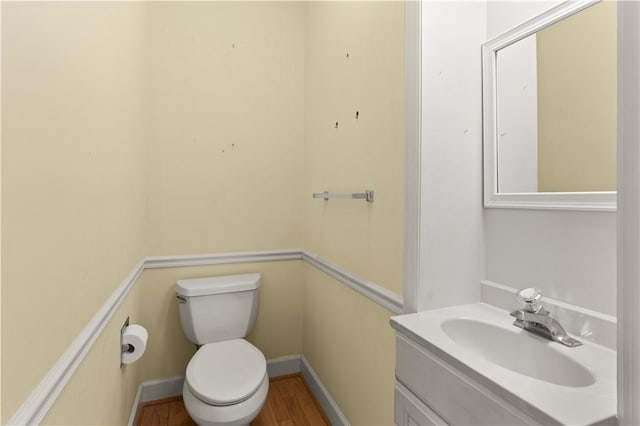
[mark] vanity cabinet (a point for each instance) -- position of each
(468, 365)
(410, 411)
(430, 391)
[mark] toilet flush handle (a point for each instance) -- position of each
(181, 299)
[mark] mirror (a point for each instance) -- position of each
(550, 110)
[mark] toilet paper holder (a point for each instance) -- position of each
(124, 348)
(133, 342)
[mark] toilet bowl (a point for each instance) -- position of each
(226, 382)
(233, 415)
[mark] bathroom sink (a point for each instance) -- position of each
(550, 382)
(519, 351)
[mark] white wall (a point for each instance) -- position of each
(629, 218)
(571, 256)
(451, 254)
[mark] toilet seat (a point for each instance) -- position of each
(226, 373)
(240, 414)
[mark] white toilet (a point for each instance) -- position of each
(226, 381)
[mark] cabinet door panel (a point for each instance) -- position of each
(410, 411)
(459, 399)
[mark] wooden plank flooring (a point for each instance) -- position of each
(289, 403)
(164, 412)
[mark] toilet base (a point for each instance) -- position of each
(240, 414)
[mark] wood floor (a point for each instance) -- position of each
(289, 403)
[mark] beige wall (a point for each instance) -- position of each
(100, 392)
(204, 130)
(350, 345)
(577, 102)
(367, 152)
(220, 173)
(226, 127)
(73, 132)
(347, 337)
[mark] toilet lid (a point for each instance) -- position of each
(225, 373)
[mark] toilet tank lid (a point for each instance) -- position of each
(217, 285)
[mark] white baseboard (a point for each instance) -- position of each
(135, 407)
(152, 390)
(283, 366)
(172, 386)
(162, 388)
(327, 403)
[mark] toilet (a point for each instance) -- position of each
(226, 382)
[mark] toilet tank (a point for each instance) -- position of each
(215, 309)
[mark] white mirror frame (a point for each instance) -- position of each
(599, 201)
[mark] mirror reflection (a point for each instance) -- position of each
(557, 106)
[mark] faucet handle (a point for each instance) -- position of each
(531, 299)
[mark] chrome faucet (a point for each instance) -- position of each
(534, 318)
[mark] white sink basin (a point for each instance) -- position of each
(551, 382)
(519, 351)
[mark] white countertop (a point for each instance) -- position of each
(585, 404)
